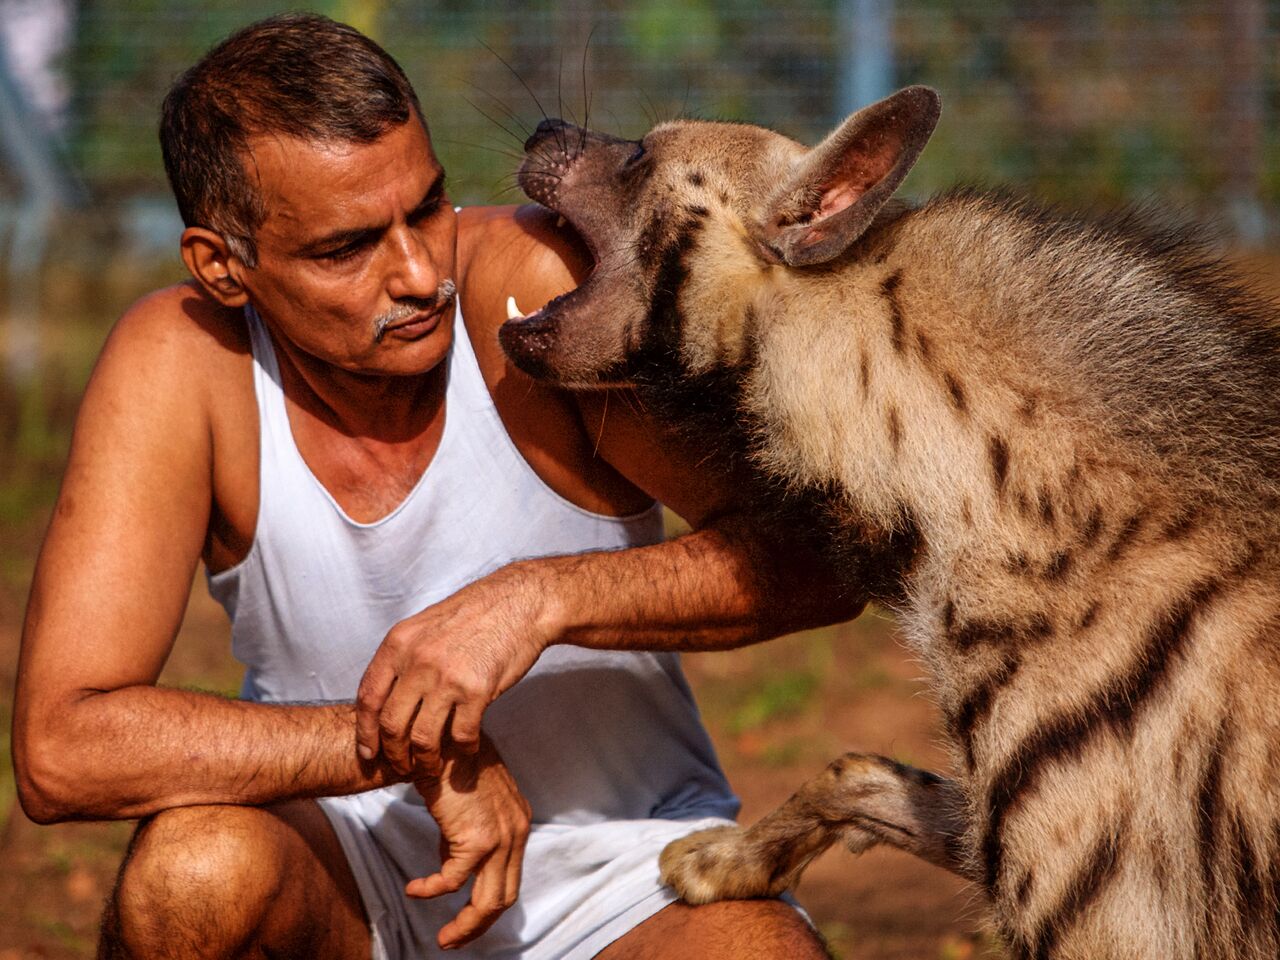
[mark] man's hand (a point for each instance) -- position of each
(484, 824)
(454, 657)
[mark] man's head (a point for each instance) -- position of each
(296, 75)
(302, 167)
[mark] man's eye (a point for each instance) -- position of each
(346, 252)
(427, 210)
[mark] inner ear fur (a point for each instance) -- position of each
(841, 184)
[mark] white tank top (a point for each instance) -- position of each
(589, 735)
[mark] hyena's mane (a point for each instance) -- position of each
(1173, 351)
(705, 411)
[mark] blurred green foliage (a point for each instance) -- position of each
(779, 696)
(1080, 100)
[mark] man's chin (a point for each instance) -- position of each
(410, 355)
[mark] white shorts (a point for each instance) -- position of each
(584, 884)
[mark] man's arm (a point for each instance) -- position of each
(93, 736)
(718, 588)
(729, 583)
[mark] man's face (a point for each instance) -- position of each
(356, 245)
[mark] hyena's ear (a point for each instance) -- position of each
(841, 184)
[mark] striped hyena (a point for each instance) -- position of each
(1051, 445)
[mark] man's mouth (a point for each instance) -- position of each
(418, 325)
(413, 324)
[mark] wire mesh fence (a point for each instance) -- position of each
(1091, 101)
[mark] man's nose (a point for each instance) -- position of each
(413, 271)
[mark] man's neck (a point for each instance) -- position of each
(383, 408)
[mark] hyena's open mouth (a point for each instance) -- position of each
(698, 219)
(529, 338)
(574, 339)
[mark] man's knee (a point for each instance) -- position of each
(195, 877)
(725, 930)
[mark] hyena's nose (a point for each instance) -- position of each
(549, 127)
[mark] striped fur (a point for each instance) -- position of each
(1051, 444)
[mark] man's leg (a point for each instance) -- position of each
(231, 882)
(727, 930)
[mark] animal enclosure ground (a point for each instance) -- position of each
(778, 713)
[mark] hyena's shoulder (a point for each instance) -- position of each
(1137, 315)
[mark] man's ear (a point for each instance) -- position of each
(214, 266)
(840, 185)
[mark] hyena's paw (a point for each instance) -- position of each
(718, 864)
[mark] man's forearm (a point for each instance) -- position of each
(131, 752)
(721, 587)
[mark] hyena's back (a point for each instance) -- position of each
(1175, 352)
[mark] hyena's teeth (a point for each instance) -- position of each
(561, 221)
(513, 312)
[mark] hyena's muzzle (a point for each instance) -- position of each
(582, 337)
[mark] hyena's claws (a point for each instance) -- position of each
(719, 864)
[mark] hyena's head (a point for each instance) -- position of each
(688, 224)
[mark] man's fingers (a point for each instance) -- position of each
(466, 725)
(452, 875)
(428, 729)
(467, 925)
(515, 864)
(485, 907)
(433, 886)
(375, 685)
(394, 723)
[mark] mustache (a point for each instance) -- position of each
(406, 308)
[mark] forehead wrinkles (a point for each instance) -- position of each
(300, 181)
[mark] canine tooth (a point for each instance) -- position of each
(560, 220)
(513, 312)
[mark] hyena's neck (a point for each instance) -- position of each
(881, 383)
(874, 387)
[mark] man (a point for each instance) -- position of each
(308, 418)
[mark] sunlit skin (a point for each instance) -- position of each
(353, 233)
(379, 237)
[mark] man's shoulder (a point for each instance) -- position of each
(176, 349)
(520, 252)
(517, 251)
(180, 322)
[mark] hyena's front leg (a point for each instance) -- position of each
(861, 799)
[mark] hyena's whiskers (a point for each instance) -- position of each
(481, 146)
(515, 73)
(494, 120)
(586, 95)
(510, 114)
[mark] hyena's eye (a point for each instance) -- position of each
(636, 156)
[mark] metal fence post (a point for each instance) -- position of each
(866, 60)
